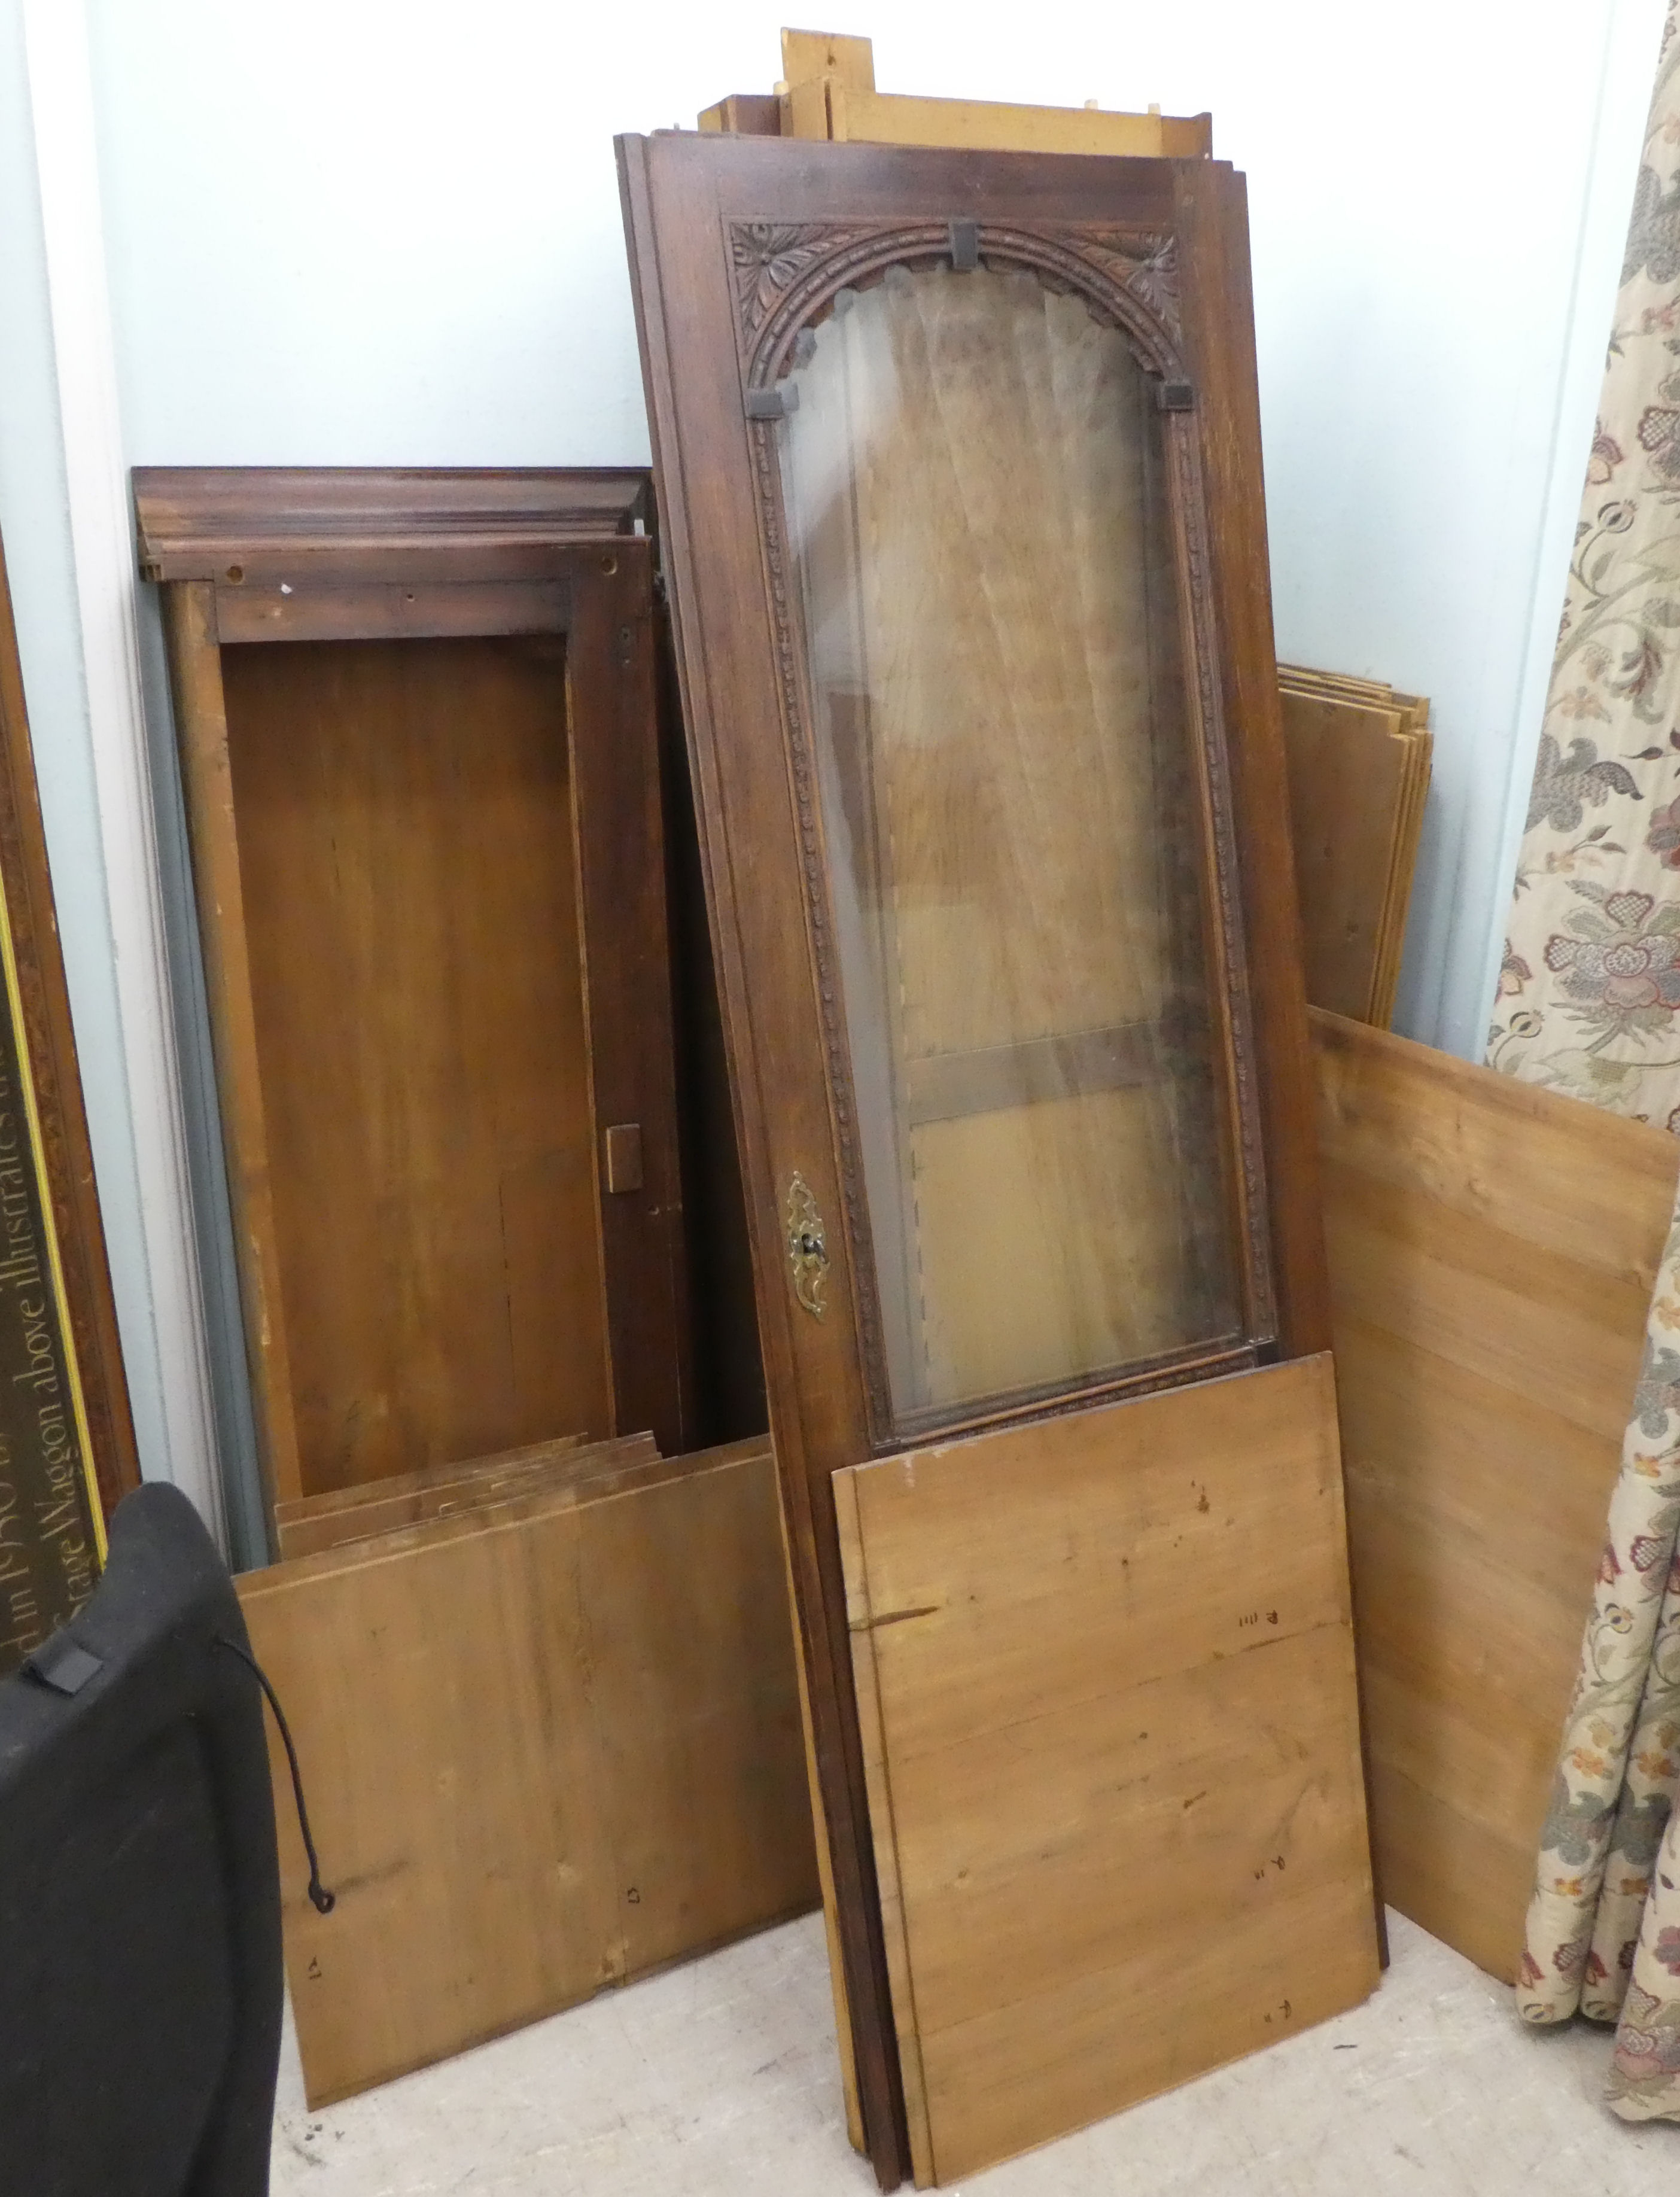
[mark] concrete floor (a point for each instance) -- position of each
(719, 2079)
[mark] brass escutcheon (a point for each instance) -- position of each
(807, 1245)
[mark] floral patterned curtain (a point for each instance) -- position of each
(1589, 1003)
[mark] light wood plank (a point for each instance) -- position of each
(1113, 1739)
(876, 118)
(1492, 1249)
(744, 114)
(431, 1476)
(442, 1494)
(850, 61)
(549, 1745)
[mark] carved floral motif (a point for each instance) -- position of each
(769, 257)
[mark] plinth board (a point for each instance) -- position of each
(547, 1746)
(1105, 1669)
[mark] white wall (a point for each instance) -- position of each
(365, 231)
(358, 231)
(35, 524)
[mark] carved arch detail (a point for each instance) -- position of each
(785, 275)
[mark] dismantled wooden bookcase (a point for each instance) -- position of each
(957, 464)
(416, 718)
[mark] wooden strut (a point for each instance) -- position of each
(828, 91)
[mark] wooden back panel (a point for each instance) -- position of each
(1492, 1249)
(1105, 1667)
(411, 913)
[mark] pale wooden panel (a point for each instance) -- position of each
(1492, 1249)
(407, 865)
(1107, 1670)
(849, 59)
(334, 1499)
(877, 118)
(549, 1745)
(745, 114)
(1343, 685)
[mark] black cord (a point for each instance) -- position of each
(324, 1901)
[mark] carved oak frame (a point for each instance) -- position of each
(1160, 246)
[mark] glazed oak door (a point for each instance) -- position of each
(957, 459)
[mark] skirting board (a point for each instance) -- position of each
(1492, 1248)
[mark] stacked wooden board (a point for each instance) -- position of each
(549, 1724)
(311, 1523)
(1358, 763)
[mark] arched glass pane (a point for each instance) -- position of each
(976, 509)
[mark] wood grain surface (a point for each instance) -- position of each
(1492, 1249)
(1113, 1752)
(857, 115)
(412, 924)
(549, 1744)
(321, 1522)
(1348, 781)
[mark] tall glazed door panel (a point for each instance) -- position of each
(956, 461)
(975, 486)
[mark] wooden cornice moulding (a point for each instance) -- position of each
(194, 522)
